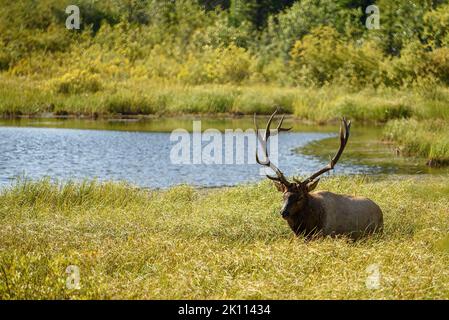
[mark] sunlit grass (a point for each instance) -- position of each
(144, 97)
(428, 139)
(221, 243)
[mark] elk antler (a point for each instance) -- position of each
(279, 175)
(344, 136)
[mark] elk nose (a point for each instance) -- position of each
(284, 213)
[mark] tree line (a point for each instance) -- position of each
(287, 42)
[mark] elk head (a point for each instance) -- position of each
(295, 193)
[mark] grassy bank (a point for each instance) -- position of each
(226, 243)
(33, 97)
(30, 97)
(428, 139)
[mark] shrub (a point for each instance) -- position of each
(436, 26)
(409, 67)
(439, 59)
(322, 57)
(220, 65)
(77, 81)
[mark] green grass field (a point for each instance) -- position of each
(216, 243)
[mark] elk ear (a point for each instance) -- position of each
(279, 186)
(312, 185)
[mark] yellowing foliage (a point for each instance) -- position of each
(77, 81)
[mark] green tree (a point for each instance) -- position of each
(400, 22)
(294, 23)
(436, 26)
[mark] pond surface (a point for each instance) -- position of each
(139, 152)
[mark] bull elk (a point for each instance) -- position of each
(321, 213)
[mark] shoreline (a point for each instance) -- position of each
(135, 118)
(180, 116)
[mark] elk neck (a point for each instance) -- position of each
(309, 219)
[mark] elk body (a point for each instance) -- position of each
(321, 213)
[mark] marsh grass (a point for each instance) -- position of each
(134, 97)
(428, 139)
(221, 243)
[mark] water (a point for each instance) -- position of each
(140, 158)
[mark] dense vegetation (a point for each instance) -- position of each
(205, 244)
(317, 59)
(314, 58)
(280, 43)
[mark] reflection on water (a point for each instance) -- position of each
(141, 158)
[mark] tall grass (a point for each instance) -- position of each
(133, 97)
(224, 243)
(429, 139)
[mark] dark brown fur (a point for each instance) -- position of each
(321, 213)
(325, 213)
